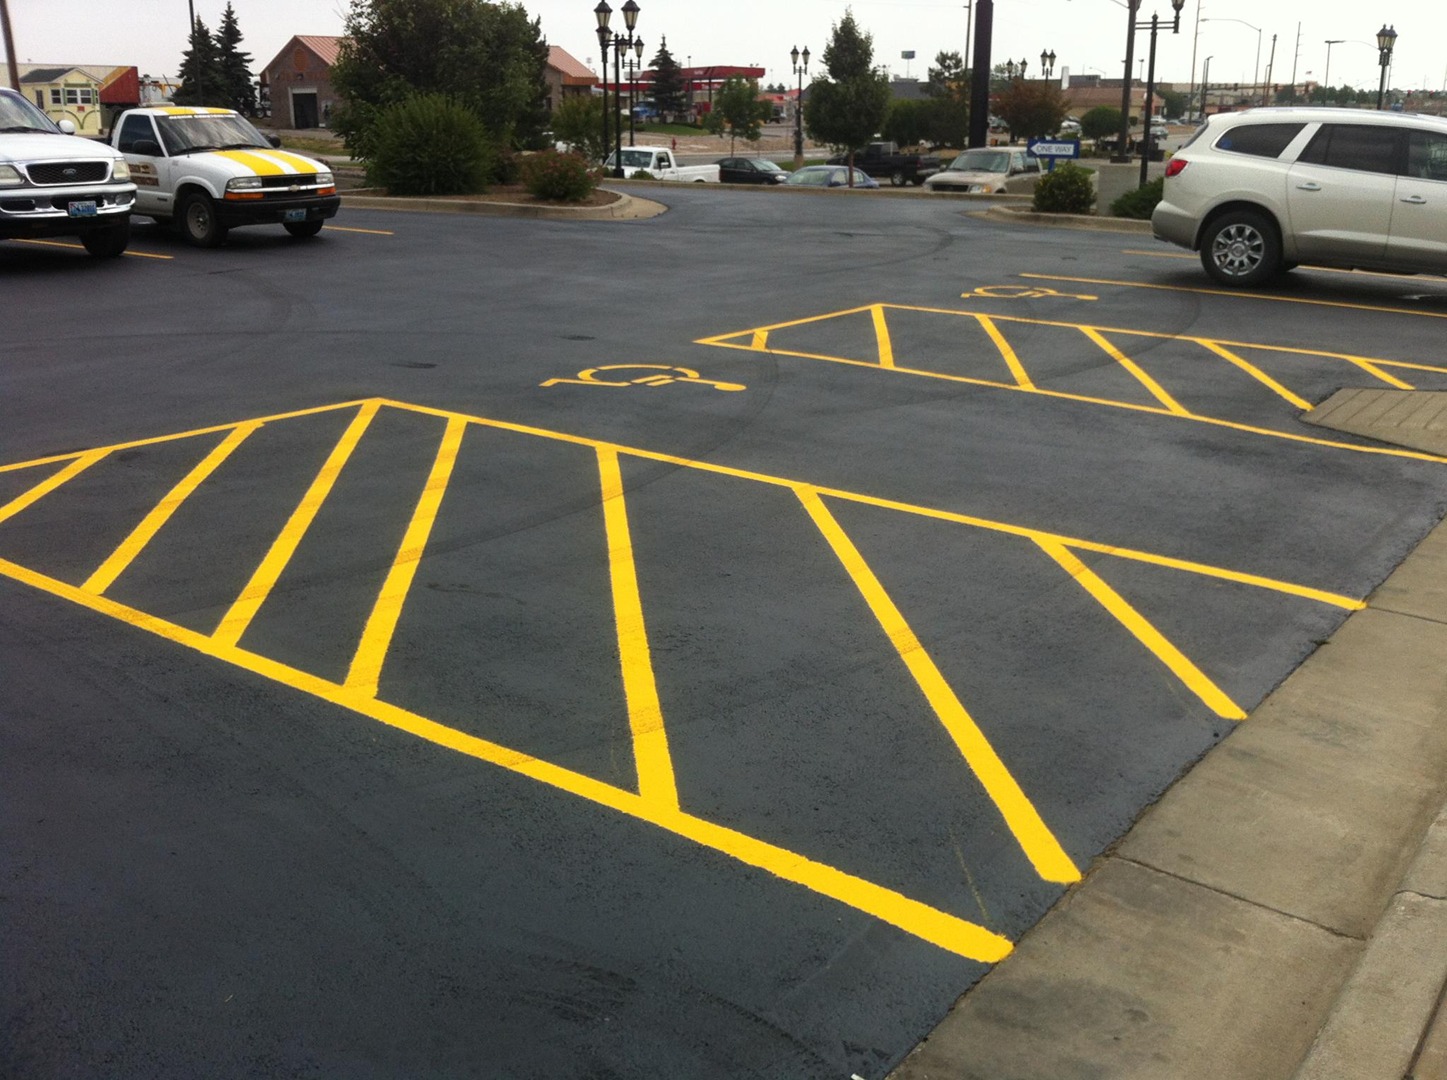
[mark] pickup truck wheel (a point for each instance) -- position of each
(897, 178)
(109, 242)
(302, 229)
(199, 224)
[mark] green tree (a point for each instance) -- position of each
(905, 123)
(237, 91)
(578, 121)
(1099, 122)
(670, 94)
(738, 111)
(1173, 103)
(201, 76)
(946, 117)
(1031, 107)
(488, 57)
(849, 105)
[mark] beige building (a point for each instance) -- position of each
(69, 93)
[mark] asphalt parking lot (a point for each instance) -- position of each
(692, 647)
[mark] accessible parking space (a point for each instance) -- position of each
(696, 681)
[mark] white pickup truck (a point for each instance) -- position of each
(659, 163)
(210, 170)
(53, 183)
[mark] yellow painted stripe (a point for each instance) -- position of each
(760, 341)
(1034, 836)
(881, 336)
(369, 232)
(651, 755)
(1017, 369)
(1260, 376)
(151, 524)
(929, 924)
(261, 166)
(1154, 388)
(1237, 294)
(366, 667)
(81, 247)
(1211, 695)
(46, 486)
(238, 617)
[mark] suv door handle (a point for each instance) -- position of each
(1415, 200)
(1310, 185)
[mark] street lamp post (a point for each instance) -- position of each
(1386, 41)
(620, 43)
(1047, 63)
(635, 65)
(1154, 26)
(1256, 71)
(799, 69)
(1326, 79)
(1206, 84)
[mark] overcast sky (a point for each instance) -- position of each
(1086, 35)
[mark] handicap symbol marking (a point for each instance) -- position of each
(1023, 292)
(663, 375)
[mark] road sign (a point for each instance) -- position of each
(1055, 148)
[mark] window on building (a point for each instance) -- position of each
(40, 98)
(56, 98)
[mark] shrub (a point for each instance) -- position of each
(1140, 202)
(562, 177)
(1067, 190)
(641, 174)
(430, 145)
(506, 166)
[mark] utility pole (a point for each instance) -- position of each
(9, 45)
(1294, 59)
(1270, 67)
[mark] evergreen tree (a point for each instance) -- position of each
(670, 94)
(234, 76)
(200, 70)
(848, 107)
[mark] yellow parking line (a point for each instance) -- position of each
(151, 524)
(652, 759)
(369, 232)
(46, 486)
(1154, 388)
(1239, 295)
(1029, 828)
(1022, 378)
(881, 336)
(365, 671)
(81, 247)
(1403, 278)
(1193, 677)
(1260, 376)
(238, 617)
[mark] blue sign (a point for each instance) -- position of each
(1053, 150)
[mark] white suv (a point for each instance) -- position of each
(1258, 192)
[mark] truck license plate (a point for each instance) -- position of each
(294, 215)
(82, 209)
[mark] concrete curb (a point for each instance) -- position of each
(1281, 912)
(627, 208)
(1068, 221)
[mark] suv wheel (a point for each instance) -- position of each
(1241, 249)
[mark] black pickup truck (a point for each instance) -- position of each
(883, 161)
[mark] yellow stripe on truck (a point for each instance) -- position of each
(296, 161)
(270, 162)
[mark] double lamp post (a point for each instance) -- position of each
(620, 43)
(1132, 26)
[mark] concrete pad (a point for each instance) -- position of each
(1139, 975)
(1428, 876)
(1378, 1021)
(1317, 804)
(1432, 1058)
(1416, 419)
(1419, 586)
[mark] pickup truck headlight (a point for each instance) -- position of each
(324, 179)
(120, 170)
(244, 183)
(10, 176)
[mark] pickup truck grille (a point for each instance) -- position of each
(282, 185)
(68, 172)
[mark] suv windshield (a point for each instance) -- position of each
(17, 114)
(982, 161)
(208, 131)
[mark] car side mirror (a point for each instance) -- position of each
(145, 147)
(275, 140)
(66, 127)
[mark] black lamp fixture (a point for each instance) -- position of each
(1047, 63)
(620, 43)
(799, 69)
(1386, 41)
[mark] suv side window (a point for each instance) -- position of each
(1427, 155)
(1361, 147)
(134, 129)
(1259, 140)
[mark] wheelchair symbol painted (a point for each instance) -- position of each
(662, 375)
(1023, 292)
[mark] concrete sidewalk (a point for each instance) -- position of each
(1281, 913)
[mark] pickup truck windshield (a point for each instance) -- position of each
(981, 161)
(208, 131)
(637, 159)
(18, 115)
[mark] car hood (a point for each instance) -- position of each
(46, 147)
(256, 161)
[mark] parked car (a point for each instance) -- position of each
(829, 176)
(1159, 132)
(1258, 192)
(885, 160)
(747, 170)
(1070, 128)
(988, 170)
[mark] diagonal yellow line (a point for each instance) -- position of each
(1180, 665)
(46, 486)
(366, 667)
(1259, 375)
(929, 924)
(881, 336)
(651, 755)
(263, 580)
(1034, 836)
(1156, 390)
(105, 576)
(1022, 378)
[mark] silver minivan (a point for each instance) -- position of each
(1260, 191)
